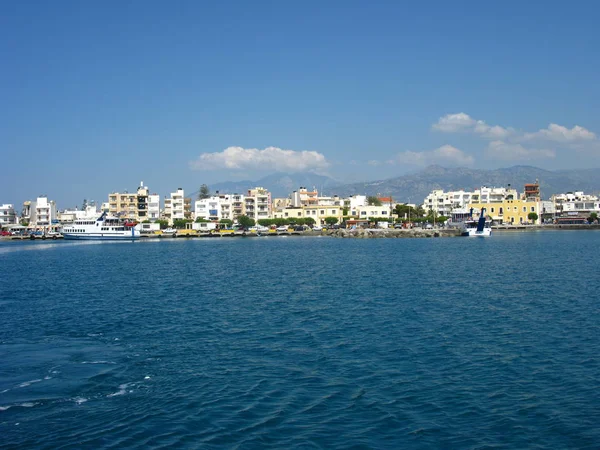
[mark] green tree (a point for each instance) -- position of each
(373, 201)
(204, 192)
(345, 211)
(532, 216)
(201, 220)
(227, 222)
(163, 224)
(309, 221)
(180, 223)
(265, 222)
(246, 221)
(331, 220)
(593, 217)
(146, 221)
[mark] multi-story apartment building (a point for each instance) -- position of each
(177, 206)
(220, 206)
(8, 216)
(257, 203)
(132, 206)
(506, 206)
(142, 203)
(503, 205)
(41, 212)
(122, 204)
(444, 203)
(209, 208)
(304, 197)
(27, 211)
(576, 204)
(153, 207)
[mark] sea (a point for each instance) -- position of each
(302, 342)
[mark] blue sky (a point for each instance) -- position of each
(97, 96)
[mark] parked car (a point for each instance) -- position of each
(282, 228)
(5, 233)
(259, 229)
(317, 228)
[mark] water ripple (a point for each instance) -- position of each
(310, 343)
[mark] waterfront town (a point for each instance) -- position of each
(503, 206)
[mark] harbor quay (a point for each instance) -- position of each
(358, 233)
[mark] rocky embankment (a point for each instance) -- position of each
(392, 233)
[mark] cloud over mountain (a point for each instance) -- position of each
(446, 154)
(516, 145)
(462, 122)
(516, 152)
(270, 158)
(558, 133)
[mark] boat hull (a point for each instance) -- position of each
(105, 237)
(486, 232)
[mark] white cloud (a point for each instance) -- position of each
(558, 133)
(445, 154)
(462, 122)
(374, 163)
(270, 158)
(516, 152)
(452, 123)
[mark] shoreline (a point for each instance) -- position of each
(359, 233)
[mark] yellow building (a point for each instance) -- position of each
(318, 213)
(511, 211)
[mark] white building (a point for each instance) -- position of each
(71, 215)
(220, 206)
(443, 203)
(317, 212)
(365, 211)
(39, 213)
(8, 216)
(177, 207)
(208, 208)
(45, 211)
(576, 203)
(257, 203)
(357, 201)
(153, 207)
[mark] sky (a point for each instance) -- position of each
(96, 97)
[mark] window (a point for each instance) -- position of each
(524, 208)
(492, 209)
(322, 212)
(533, 209)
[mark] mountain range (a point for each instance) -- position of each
(415, 187)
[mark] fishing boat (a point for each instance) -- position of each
(477, 228)
(103, 228)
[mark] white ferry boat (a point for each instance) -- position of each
(103, 228)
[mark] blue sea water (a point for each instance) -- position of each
(302, 342)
